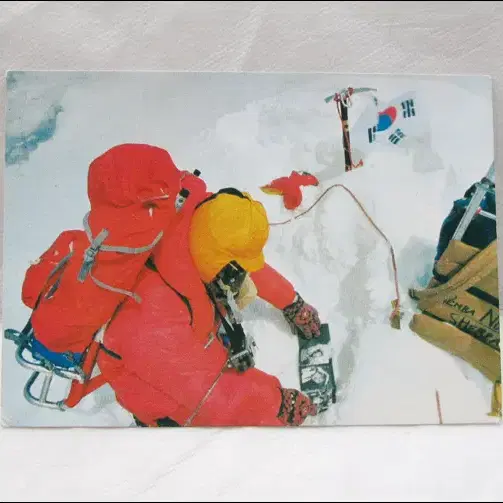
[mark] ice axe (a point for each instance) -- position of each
(343, 101)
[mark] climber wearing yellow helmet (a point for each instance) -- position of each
(185, 358)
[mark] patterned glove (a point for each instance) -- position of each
(295, 407)
(303, 318)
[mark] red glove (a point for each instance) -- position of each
(295, 407)
(303, 318)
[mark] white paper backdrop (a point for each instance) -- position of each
(369, 464)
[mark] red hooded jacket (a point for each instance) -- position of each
(170, 355)
(170, 358)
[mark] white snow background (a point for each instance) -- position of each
(243, 130)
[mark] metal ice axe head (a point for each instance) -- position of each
(345, 94)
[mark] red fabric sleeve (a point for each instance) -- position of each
(273, 287)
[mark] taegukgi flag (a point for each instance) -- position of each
(394, 123)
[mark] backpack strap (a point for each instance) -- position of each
(96, 245)
(22, 338)
(57, 268)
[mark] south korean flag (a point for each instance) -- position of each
(399, 122)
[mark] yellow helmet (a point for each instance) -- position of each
(228, 226)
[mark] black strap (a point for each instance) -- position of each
(221, 317)
(162, 422)
(234, 331)
(109, 352)
(227, 190)
(151, 265)
(476, 292)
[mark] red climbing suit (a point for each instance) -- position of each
(169, 359)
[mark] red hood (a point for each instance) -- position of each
(129, 174)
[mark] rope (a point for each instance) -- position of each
(439, 407)
(396, 305)
(206, 396)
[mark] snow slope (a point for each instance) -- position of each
(244, 130)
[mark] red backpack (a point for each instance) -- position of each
(135, 193)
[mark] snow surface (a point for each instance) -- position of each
(244, 130)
